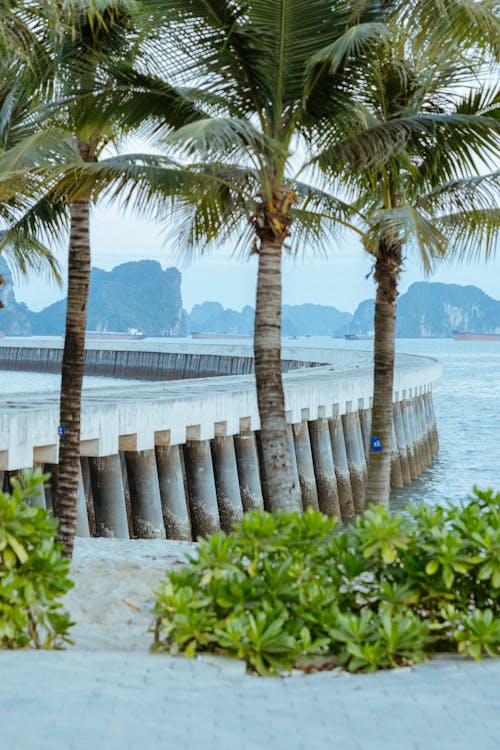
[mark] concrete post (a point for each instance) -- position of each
(419, 461)
(126, 492)
(355, 457)
(51, 486)
(203, 506)
(431, 421)
(410, 439)
(426, 450)
(89, 500)
(82, 520)
(172, 493)
(396, 473)
(401, 442)
(365, 420)
(39, 498)
(324, 469)
(109, 497)
(305, 466)
(428, 428)
(147, 515)
(226, 482)
(295, 468)
(340, 462)
(247, 462)
(262, 471)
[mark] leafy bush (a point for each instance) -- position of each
(32, 573)
(383, 593)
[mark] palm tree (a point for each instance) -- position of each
(58, 178)
(429, 193)
(246, 65)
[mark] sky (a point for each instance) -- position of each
(338, 280)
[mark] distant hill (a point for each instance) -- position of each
(297, 320)
(133, 295)
(142, 295)
(14, 315)
(434, 310)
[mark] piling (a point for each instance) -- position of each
(172, 493)
(340, 461)
(226, 482)
(82, 519)
(39, 497)
(203, 506)
(410, 439)
(324, 468)
(89, 500)
(397, 419)
(247, 462)
(109, 497)
(147, 515)
(305, 466)
(355, 457)
(396, 473)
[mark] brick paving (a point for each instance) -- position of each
(82, 700)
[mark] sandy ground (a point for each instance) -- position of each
(113, 594)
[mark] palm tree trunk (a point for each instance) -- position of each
(72, 373)
(283, 489)
(379, 463)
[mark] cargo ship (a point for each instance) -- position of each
(133, 334)
(465, 336)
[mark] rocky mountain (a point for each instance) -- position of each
(434, 310)
(297, 320)
(138, 295)
(14, 315)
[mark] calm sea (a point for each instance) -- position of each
(467, 407)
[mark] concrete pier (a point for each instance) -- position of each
(324, 468)
(147, 516)
(342, 474)
(227, 482)
(183, 458)
(396, 473)
(172, 493)
(305, 466)
(82, 517)
(203, 506)
(109, 497)
(355, 456)
(247, 462)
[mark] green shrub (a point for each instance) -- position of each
(383, 593)
(32, 573)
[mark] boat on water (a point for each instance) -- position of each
(220, 336)
(133, 334)
(470, 336)
(358, 337)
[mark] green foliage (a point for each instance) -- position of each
(33, 576)
(383, 593)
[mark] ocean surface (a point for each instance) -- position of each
(467, 408)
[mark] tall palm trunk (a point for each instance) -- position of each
(379, 463)
(283, 490)
(72, 367)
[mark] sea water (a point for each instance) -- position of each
(467, 405)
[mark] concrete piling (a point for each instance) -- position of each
(324, 468)
(204, 510)
(172, 493)
(147, 515)
(82, 519)
(396, 472)
(247, 462)
(39, 497)
(355, 457)
(341, 464)
(365, 420)
(305, 466)
(89, 500)
(397, 418)
(410, 439)
(109, 497)
(226, 482)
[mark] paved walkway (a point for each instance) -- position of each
(78, 700)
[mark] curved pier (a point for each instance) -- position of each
(180, 458)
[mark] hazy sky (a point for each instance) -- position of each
(338, 280)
